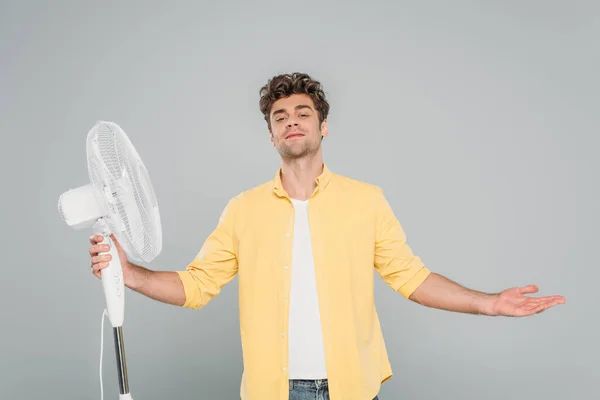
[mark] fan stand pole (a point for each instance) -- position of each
(114, 293)
(121, 361)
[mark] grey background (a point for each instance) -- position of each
(478, 119)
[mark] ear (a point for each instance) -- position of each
(271, 137)
(324, 130)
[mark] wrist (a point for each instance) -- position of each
(487, 304)
(136, 276)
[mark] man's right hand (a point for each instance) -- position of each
(164, 286)
(101, 261)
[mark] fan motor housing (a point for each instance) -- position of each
(79, 207)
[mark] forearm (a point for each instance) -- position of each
(163, 286)
(440, 292)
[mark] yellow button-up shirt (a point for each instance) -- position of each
(353, 230)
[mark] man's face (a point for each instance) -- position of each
(295, 130)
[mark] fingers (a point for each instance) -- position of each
(98, 248)
(555, 299)
(543, 305)
(98, 267)
(99, 261)
(96, 239)
(529, 289)
(115, 241)
(541, 301)
(102, 258)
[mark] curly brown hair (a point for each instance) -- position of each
(286, 85)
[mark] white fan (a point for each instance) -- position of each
(118, 200)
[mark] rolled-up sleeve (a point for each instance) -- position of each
(394, 260)
(215, 264)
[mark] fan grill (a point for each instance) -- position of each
(122, 183)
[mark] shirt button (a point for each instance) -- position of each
(285, 299)
(287, 235)
(286, 267)
(283, 335)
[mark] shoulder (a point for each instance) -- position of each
(240, 203)
(252, 195)
(355, 186)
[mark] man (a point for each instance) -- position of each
(304, 245)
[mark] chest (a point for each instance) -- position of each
(340, 233)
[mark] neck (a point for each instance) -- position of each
(298, 176)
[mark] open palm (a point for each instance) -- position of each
(513, 302)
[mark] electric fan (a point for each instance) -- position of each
(119, 200)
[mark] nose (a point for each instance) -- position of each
(291, 122)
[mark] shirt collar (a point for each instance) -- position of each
(322, 181)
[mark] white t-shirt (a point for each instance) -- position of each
(306, 350)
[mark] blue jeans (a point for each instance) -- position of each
(301, 389)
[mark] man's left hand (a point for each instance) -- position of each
(513, 302)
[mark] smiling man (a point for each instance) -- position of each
(304, 246)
